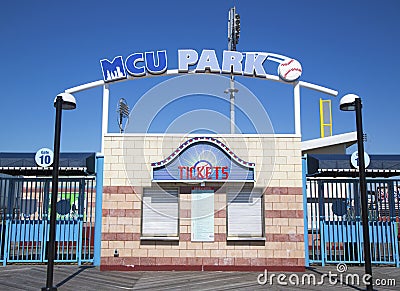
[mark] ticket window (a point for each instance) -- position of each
(245, 214)
(160, 213)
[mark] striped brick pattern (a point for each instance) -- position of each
(283, 248)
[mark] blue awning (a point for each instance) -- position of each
(340, 165)
(24, 164)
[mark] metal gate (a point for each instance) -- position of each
(335, 226)
(25, 215)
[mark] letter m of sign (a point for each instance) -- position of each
(114, 70)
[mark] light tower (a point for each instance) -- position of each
(233, 40)
(233, 29)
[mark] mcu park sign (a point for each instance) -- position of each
(233, 62)
(251, 64)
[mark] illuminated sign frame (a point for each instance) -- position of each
(203, 159)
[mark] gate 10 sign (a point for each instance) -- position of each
(44, 157)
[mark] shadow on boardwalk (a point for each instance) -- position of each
(33, 277)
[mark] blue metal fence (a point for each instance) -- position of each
(334, 221)
(25, 213)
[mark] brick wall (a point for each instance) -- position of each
(128, 171)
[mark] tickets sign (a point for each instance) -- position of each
(203, 159)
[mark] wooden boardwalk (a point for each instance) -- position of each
(33, 277)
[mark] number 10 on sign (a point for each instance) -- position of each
(44, 157)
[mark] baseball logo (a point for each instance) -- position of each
(289, 70)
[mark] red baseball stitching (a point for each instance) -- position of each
(291, 70)
(288, 63)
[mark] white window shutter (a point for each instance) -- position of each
(160, 212)
(245, 213)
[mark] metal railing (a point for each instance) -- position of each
(334, 220)
(25, 213)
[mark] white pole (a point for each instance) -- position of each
(232, 47)
(104, 124)
(232, 90)
(297, 121)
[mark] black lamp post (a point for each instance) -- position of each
(63, 101)
(352, 102)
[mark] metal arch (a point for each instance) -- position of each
(175, 72)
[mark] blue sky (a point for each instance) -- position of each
(49, 46)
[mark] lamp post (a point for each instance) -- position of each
(63, 101)
(352, 102)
